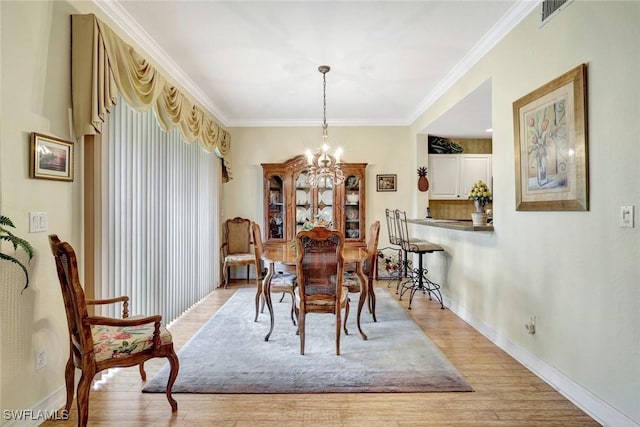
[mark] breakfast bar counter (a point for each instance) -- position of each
(451, 224)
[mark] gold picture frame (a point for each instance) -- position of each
(550, 134)
(386, 182)
(50, 158)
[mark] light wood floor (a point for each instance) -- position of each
(506, 394)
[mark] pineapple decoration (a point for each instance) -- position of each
(423, 182)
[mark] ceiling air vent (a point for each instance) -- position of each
(551, 8)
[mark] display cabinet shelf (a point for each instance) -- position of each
(289, 202)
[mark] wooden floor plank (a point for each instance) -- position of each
(506, 393)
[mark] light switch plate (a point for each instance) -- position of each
(626, 216)
(37, 222)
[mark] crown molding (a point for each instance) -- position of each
(125, 22)
(114, 10)
(508, 22)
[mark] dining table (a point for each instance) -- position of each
(284, 255)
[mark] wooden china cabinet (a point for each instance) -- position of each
(289, 201)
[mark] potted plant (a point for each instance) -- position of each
(481, 195)
(17, 242)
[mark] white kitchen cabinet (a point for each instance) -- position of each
(453, 175)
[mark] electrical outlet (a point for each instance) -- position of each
(41, 359)
(531, 326)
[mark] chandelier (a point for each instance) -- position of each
(323, 169)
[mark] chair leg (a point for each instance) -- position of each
(143, 374)
(248, 268)
(175, 366)
(301, 330)
(339, 326)
(84, 386)
(69, 374)
(346, 316)
(293, 308)
(225, 275)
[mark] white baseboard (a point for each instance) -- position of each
(596, 408)
(47, 408)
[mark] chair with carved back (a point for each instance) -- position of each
(98, 343)
(319, 267)
(351, 280)
(280, 282)
(236, 249)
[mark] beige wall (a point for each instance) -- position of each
(578, 272)
(385, 149)
(35, 96)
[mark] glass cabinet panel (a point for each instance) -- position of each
(276, 208)
(304, 201)
(352, 212)
(324, 209)
(291, 203)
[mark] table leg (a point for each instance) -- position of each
(372, 299)
(266, 292)
(364, 288)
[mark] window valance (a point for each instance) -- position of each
(103, 65)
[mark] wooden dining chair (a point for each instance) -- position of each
(319, 267)
(236, 249)
(353, 282)
(98, 343)
(280, 282)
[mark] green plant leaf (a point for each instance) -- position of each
(16, 242)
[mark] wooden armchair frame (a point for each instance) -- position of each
(351, 280)
(280, 282)
(82, 346)
(319, 267)
(236, 248)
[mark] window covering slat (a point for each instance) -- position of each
(159, 240)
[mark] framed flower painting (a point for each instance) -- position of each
(550, 126)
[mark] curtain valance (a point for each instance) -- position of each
(103, 65)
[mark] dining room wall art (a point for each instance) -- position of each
(50, 158)
(550, 135)
(386, 182)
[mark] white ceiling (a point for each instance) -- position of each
(255, 63)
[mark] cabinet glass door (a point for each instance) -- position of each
(325, 204)
(276, 208)
(352, 211)
(304, 200)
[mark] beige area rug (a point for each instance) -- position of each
(229, 355)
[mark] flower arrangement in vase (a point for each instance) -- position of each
(481, 195)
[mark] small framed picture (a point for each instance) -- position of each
(50, 158)
(386, 182)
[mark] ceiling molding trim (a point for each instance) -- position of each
(508, 22)
(126, 23)
(314, 123)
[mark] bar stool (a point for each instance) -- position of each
(396, 264)
(418, 279)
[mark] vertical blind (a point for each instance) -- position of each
(160, 202)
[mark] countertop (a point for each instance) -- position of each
(451, 224)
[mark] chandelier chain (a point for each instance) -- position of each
(323, 169)
(324, 100)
